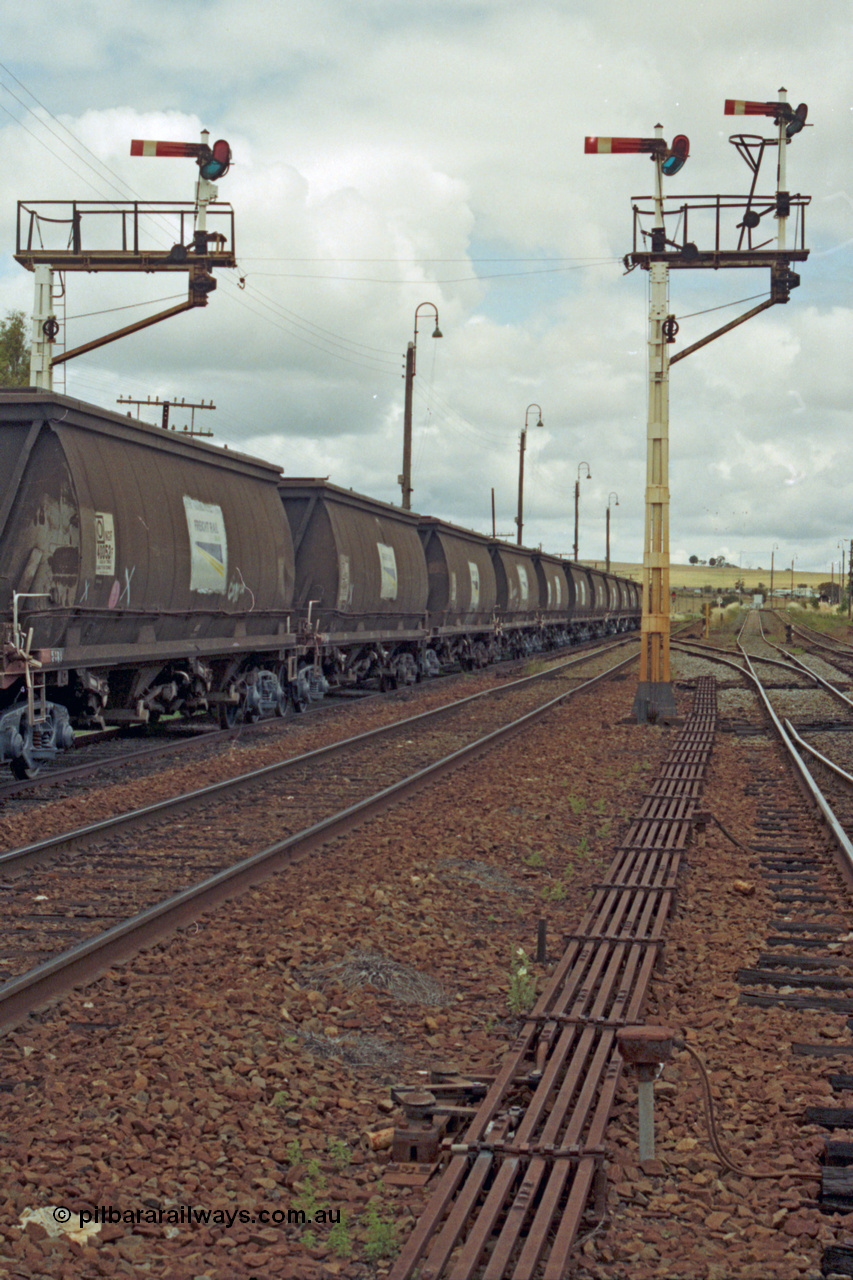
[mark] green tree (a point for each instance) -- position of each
(14, 351)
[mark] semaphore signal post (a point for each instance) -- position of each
(109, 235)
(730, 235)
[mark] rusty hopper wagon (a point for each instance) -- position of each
(137, 570)
(145, 573)
(361, 581)
(462, 594)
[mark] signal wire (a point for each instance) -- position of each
(474, 279)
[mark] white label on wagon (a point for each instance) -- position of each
(388, 570)
(105, 545)
(523, 584)
(475, 584)
(344, 592)
(208, 547)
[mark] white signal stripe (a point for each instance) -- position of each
(613, 146)
(140, 147)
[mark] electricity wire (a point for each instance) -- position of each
(723, 306)
(473, 279)
(129, 306)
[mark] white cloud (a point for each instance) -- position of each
(386, 155)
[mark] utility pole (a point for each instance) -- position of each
(173, 404)
(656, 251)
(612, 494)
(519, 519)
(404, 479)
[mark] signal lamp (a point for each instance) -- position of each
(215, 165)
(797, 122)
(677, 154)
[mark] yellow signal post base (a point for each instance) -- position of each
(654, 703)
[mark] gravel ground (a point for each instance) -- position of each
(240, 1067)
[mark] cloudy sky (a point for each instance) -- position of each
(394, 152)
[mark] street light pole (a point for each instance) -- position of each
(772, 554)
(609, 496)
(521, 448)
(577, 500)
(405, 480)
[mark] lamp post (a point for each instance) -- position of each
(772, 554)
(577, 499)
(405, 480)
(792, 579)
(609, 496)
(521, 447)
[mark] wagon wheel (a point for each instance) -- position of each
(228, 713)
(23, 766)
(284, 706)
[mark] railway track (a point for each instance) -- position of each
(788, 849)
(114, 752)
(512, 1196)
(60, 893)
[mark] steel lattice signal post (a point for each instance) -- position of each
(657, 252)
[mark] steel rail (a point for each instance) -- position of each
(788, 736)
(818, 638)
(510, 1199)
(84, 962)
(842, 842)
(58, 775)
(840, 836)
(26, 856)
(798, 662)
(790, 664)
(825, 760)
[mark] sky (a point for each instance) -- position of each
(392, 153)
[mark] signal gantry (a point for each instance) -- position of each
(662, 227)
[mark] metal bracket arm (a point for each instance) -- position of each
(703, 342)
(122, 333)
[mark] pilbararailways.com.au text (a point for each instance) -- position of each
(183, 1215)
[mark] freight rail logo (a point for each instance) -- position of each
(208, 547)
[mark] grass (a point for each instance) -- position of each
(690, 576)
(381, 1235)
(522, 984)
